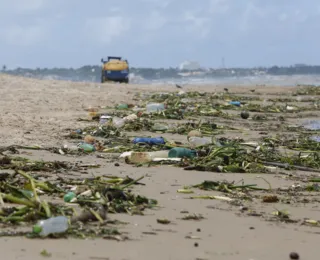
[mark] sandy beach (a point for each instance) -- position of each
(43, 113)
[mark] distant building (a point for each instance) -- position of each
(189, 65)
(300, 65)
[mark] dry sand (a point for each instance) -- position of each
(41, 112)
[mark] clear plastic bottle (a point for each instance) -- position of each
(160, 127)
(88, 148)
(118, 122)
(196, 141)
(53, 225)
(155, 107)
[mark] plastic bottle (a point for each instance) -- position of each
(150, 141)
(160, 127)
(155, 107)
(144, 157)
(180, 152)
(53, 225)
(87, 147)
(159, 154)
(122, 106)
(140, 157)
(235, 103)
(104, 119)
(71, 147)
(196, 141)
(118, 122)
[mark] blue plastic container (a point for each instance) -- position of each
(235, 103)
(150, 141)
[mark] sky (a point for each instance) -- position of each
(159, 33)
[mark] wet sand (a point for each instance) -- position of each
(42, 112)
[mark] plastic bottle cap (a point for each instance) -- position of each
(37, 229)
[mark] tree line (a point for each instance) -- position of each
(94, 72)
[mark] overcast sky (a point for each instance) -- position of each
(159, 33)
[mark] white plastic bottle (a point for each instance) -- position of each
(145, 157)
(159, 154)
(52, 225)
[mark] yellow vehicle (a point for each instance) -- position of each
(115, 69)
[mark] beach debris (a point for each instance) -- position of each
(163, 221)
(207, 197)
(180, 152)
(308, 90)
(155, 107)
(185, 191)
(89, 139)
(225, 186)
(26, 198)
(192, 237)
(193, 217)
(130, 118)
(104, 119)
(145, 157)
(70, 196)
(235, 103)
(294, 256)
(45, 253)
(118, 122)
(311, 222)
(270, 198)
(282, 214)
(86, 147)
(244, 114)
(122, 106)
(52, 225)
(194, 133)
(196, 142)
(150, 141)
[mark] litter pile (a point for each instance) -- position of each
(209, 132)
(204, 149)
(28, 194)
